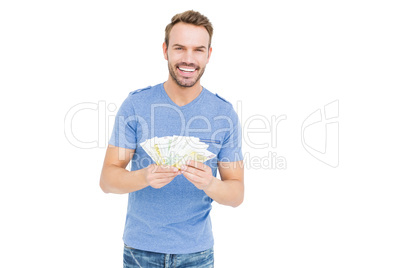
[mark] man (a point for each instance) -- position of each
(168, 222)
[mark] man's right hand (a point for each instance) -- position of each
(158, 176)
(115, 178)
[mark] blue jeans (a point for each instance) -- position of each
(135, 258)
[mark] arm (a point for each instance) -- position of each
(115, 178)
(228, 191)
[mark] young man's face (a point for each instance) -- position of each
(187, 54)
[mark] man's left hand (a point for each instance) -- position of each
(198, 174)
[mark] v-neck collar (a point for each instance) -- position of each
(166, 96)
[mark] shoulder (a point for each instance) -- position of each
(218, 99)
(134, 98)
(222, 99)
(142, 95)
(139, 90)
(221, 106)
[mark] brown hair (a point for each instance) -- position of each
(190, 17)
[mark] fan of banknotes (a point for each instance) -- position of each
(176, 150)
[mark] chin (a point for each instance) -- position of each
(186, 84)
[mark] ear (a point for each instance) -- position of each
(209, 53)
(164, 46)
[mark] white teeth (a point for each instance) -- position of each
(186, 70)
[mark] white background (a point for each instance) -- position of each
(275, 57)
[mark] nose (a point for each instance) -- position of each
(188, 57)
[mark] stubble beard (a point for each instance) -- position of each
(184, 82)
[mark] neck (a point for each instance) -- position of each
(181, 95)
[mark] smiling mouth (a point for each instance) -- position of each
(186, 70)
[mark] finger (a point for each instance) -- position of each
(193, 170)
(165, 169)
(191, 176)
(196, 164)
(161, 176)
(164, 180)
(161, 182)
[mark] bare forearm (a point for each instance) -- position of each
(228, 192)
(118, 180)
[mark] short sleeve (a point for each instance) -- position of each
(124, 130)
(231, 150)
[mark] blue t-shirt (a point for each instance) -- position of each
(174, 219)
